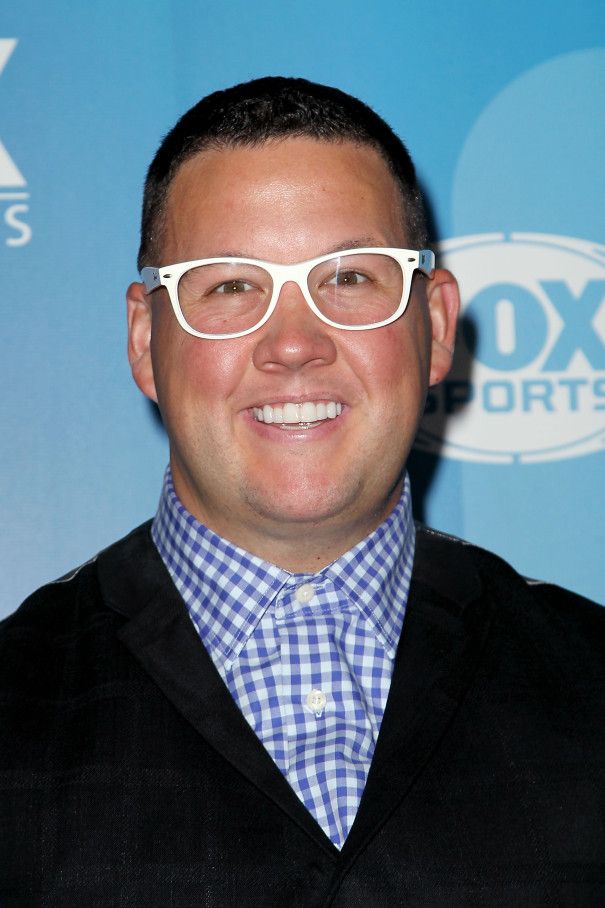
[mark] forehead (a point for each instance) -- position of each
(290, 187)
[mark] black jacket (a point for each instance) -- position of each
(129, 777)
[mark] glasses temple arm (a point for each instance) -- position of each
(426, 261)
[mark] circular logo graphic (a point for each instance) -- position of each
(528, 380)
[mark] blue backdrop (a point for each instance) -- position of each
(502, 106)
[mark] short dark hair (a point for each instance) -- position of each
(271, 108)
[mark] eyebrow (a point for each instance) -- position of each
(358, 243)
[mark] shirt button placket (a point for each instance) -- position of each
(304, 593)
(316, 701)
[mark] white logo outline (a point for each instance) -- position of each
(459, 436)
(13, 186)
(10, 175)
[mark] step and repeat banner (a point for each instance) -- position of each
(503, 108)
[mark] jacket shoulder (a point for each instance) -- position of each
(60, 611)
(552, 624)
(435, 543)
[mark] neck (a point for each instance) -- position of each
(302, 545)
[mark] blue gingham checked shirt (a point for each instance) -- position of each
(308, 658)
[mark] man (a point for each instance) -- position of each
(281, 692)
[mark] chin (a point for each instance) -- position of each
(308, 503)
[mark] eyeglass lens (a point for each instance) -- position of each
(353, 289)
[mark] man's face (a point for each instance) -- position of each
(310, 492)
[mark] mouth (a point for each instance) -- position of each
(306, 415)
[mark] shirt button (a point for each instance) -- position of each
(305, 592)
(316, 701)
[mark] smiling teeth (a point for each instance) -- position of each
(292, 414)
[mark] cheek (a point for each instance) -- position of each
(197, 375)
(214, 371)
(397, 367)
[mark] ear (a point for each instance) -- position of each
(444, 305)
(139, 339)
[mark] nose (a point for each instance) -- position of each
(293, 337)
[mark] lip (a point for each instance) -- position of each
(290, 414)
(297, 398)
(274, 398)
(299, 432)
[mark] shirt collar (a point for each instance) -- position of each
(227, 590)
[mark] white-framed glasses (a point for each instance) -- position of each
(356, 290)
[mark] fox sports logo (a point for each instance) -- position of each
(528, 381)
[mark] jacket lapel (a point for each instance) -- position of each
(160, 635)
(444, 629)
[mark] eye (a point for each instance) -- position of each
(347, 278)
(233, 287)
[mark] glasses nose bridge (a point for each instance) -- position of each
(291, 274)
